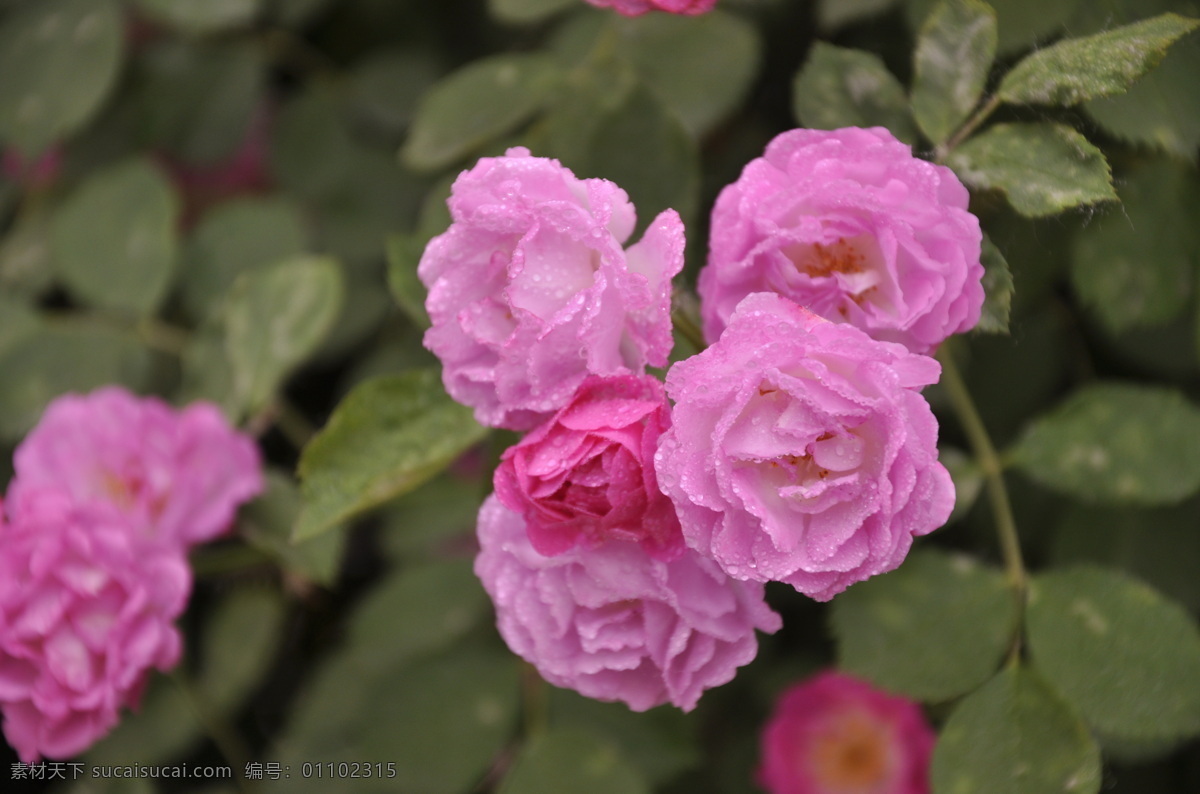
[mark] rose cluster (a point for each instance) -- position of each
(110, 492)
(633, 527)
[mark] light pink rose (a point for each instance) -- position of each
(633, 8)
(85, 613)
(179, 476)
(530, 290)
(612, 622)
(850, 225)
(834, 734)
(587, 475)
(801, 450)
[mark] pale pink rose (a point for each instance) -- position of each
(850, 225)
(85, 612)
(612, 622)
(834, 734)
(530, 290)
(801, 450)
(633, 8)
(587, 475)
(178, 475)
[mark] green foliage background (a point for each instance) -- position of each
(342, 622)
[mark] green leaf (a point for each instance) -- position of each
(114, 241)
(952, 60)
(467, 707)
(659, 743)
(238, 236)
(311, 147)
(525, 11)
(60, 59)
(274, 319)
(387, 437)
(700, 67)
(1015, 735)
(403, 253)
(41, 366)
(417, 611)
(571, 759)
(267, 522)
(164, 726)
(1116, 444)
(18, 321)
(643, 147)
(1042, 168)
(476, 104)
(997, 289)
(933, 629)
(967, 477)
(240, 642)
(1128, 658)
(25, 265)
(205, 17)
(1077, 70)
(850, 88)
(1135, 267)
(1162, 109)
(834, 14)
(198, 100)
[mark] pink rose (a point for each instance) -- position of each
(850, 225)
(633, 8)
(801, 450)
(612, 622)
(587, 475)
(834, 734)
(178, 476)
(530, 290)
(85, 612)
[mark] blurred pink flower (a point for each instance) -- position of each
(801, 450)
(850, 225)
(612, 622)
(39, 172)
(834, 734)
(587, 474)
(530, 290)
(633, 8)
(177, 476)
(85, 613)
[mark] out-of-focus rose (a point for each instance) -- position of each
(85, 613)
(850, 225)
(39, 172)
(587, 475)
(179, 476)
(530, 290)
(633, 8)
(801, 450)
(834, 734)
(612, 622)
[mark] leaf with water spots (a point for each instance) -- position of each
(841, 87)
(60, 59)
(1042, 168)
(1015, 735)
(114, 241)
(1125, 655)
(933, 629)
(386, 437)
(1116, 443)
(477, 104)
(1076, 70)
(997, 289)
(952, 60)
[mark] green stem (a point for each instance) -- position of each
(534, 701)
(688, 329)
(993, 473)
(972, 124)
(228, 743)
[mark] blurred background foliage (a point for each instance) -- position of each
(227, 200)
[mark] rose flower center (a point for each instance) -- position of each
(851, 756)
